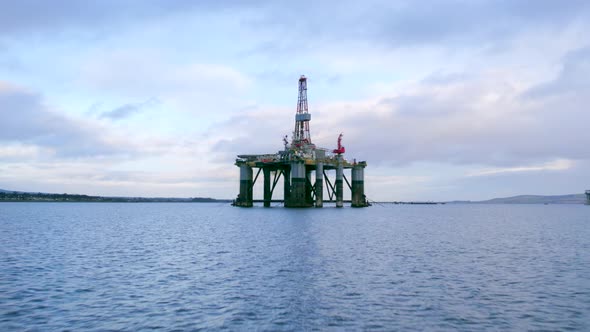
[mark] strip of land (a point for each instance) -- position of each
(17, 196)
(532, 199)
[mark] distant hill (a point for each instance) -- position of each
(533, 199)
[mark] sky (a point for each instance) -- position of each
(445, 100)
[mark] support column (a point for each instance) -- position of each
(267, 193)
(319, 185)
(297, 195)
(286, 185)
(245, 197)
(339, 186)
(358, 187)
(587, 197)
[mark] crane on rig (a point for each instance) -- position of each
(341, 149)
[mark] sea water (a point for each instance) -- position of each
(188, 266)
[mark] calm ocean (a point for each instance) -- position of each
(175, 266)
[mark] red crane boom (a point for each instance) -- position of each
(340, 150)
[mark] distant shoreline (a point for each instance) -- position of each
(15, 196)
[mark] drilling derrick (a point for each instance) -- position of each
(301, 135)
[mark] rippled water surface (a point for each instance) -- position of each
(103, 266)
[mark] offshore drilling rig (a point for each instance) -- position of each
(297, 163)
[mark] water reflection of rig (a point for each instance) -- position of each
(297, 164)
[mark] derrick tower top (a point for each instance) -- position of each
(301, 135)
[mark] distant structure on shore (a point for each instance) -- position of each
(587, 197)
(297, 163)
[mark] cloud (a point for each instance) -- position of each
(557, 165)
(127, 110)
(253, 130)
(37, 17)
(40, 17)
(139, 70)
(572, 78)
(192, 87)
(20, 152)
(41, 149)
(96, 178)
(399, 24)
(287, 26)
(396, 180)
(27, 120)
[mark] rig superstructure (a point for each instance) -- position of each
(297, 164)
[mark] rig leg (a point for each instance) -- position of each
(286, 185)
(245, 197)
(297, 196)
(358, 187)
(339, 184)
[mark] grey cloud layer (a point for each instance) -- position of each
(127, 110)
(39, 17)
(303, 26)
(573, 77)
(311, 23)
(25, 119)
(484, 120)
